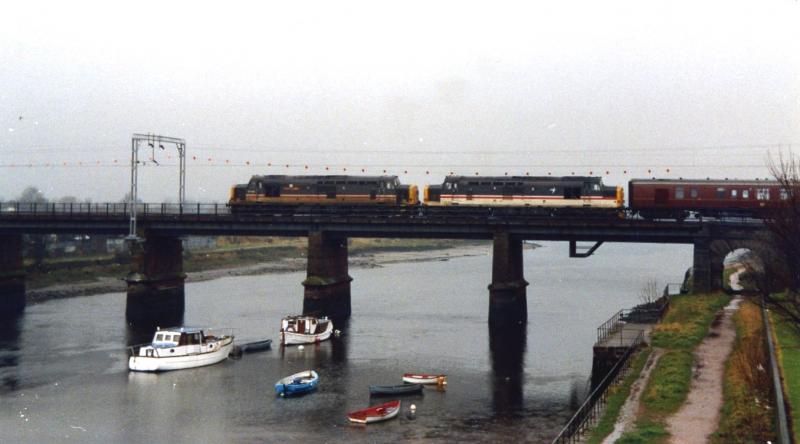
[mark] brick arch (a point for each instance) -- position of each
(709, 256)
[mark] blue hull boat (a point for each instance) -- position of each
(298, 383)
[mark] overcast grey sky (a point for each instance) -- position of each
(699, 88)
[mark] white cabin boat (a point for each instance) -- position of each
(305, 329)
(179, 348)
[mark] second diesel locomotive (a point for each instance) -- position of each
(525, 191)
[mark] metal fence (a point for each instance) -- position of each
(640, 315)
(590, 411)
(781, 420)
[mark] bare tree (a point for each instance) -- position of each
(772, 272)
(648, 294)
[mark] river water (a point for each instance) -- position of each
(64, 377)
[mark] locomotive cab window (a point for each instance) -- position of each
(679, 193)
(595, 187)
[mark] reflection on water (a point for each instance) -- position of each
(9, 351)
(507, 348)
(520, 384)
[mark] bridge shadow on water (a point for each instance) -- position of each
(145, 312)
(10, 327)
(507, 349)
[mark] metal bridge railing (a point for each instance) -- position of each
(10, 209)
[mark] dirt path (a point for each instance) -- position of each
(699, 416)
(627, 413)
(734, 282)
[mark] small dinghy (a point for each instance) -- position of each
(413, 378)
(252, 347)
(376, 413)
(305, 329)
(179, 348)
(395, 390)
(297, 384)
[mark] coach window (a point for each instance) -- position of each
(784, 195)
(762, 194)
(678, 192)
(745, 194)
(720, 193)
(693, 193)
(733, 194)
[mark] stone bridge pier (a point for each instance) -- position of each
(155, 282)
(507, 300)
(12, 276)
(327, 283)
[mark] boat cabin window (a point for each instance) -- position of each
(745, 194)
(679, 193)
(762, 194)
(159, 337)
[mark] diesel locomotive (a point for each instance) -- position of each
(327, 190)
(525, 191)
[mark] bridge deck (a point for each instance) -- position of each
(419, 222)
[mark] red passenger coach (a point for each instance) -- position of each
(665, 198)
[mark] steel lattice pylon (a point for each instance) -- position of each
(152, 141)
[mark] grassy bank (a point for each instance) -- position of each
(746, 414)
(616, 398)
(683, 328)
(229, 253)
(787, 343)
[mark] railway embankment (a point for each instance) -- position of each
(684, 326)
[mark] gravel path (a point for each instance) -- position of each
(627, 413)
(699, 416)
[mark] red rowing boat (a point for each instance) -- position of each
(425, 379)
(376, 413)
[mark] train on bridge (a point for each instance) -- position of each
(580, 195)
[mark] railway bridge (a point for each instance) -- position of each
(156, 279)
